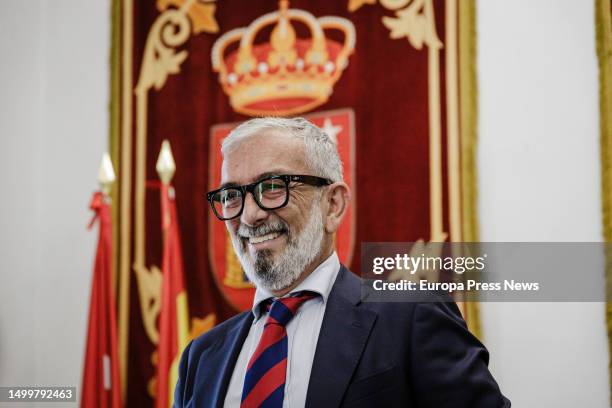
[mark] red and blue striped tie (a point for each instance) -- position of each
(264, 383)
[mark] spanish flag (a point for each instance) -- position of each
(174, 313)
(101, 386)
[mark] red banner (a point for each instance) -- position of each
(101, 385)
(174, 313)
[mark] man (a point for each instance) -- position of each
(309, 340)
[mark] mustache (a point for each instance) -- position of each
(245, 231)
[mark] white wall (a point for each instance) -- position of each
(54, 128)
(539, 180)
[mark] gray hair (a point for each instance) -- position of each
(321, 151)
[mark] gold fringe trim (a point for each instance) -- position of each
(468, 97)
(603, 26)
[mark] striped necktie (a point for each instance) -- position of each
(264, 383)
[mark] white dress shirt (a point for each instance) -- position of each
(302, 333)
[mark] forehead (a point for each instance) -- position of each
(270, 151)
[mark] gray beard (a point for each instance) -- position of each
(300, 251)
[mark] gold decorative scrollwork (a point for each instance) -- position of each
(201, 13)
(149, 290)
(415, 22)
(394, 4)
(353, 5)
(160, 59)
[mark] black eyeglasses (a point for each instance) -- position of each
(270, 193)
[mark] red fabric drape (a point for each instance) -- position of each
(101, 385)
(174, 316)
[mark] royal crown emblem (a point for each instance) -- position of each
(288, 74)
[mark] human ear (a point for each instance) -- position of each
(338, 197)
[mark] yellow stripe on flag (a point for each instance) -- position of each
(182, 331)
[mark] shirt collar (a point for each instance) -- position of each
(320, 281)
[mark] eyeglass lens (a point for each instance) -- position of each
(269, 194)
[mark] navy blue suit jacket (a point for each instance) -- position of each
(368, 355)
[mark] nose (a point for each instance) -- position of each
(252, 215)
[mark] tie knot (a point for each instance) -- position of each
(283, 309)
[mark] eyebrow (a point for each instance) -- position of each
(258, 178)
(229, 184)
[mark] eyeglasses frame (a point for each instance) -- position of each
(250, 188)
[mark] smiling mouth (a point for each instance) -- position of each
(264, 238)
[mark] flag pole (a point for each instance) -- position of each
(174, 311)
(101, 381)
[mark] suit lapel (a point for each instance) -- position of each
(344, 333)
(220, 364)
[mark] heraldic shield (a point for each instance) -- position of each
(227, 271)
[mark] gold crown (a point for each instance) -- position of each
(288, 74)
